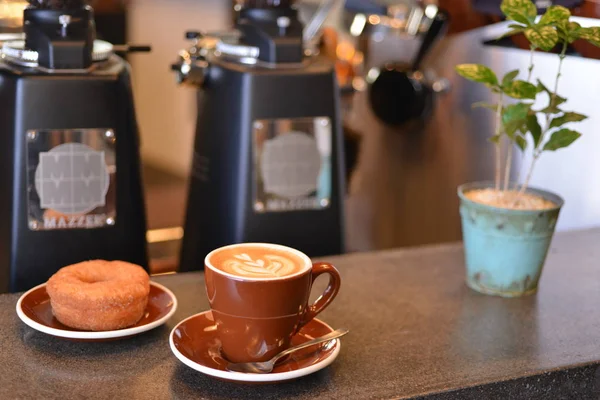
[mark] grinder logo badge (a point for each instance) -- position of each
(70, 183)
(292, 164)
(72, 179)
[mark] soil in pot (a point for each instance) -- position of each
(509, 199)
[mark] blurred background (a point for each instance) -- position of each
(401, 175)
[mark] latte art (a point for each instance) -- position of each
(256, 262)
(270, 265)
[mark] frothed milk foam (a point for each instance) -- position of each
(251, 261)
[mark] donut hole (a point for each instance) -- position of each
(92, 277)
(88, 279)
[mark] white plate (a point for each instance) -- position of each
(161, 300)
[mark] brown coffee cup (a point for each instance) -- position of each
(257, 315)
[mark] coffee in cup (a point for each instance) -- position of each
(256, 262)
(259, 297)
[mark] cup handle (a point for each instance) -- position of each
(328, 295)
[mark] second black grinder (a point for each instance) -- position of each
(268, 153)
(70, 170)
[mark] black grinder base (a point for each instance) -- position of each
(268, 154)
(71, 167)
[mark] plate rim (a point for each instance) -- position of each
(242, 377)
(87, 335)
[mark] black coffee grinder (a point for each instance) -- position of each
(268, 154)
(70, 172)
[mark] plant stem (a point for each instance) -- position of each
(561, 57)
(526, 183)
(510, 148)
(539, 149)
(508, 165)
(530, 69)
(498, 144)
(509, 155)
(521, 170)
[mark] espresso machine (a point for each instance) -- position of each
(70, 171)
(395, 37)
(268, 153)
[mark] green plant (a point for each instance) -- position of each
(515, 122)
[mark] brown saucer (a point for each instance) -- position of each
(194, 342)
(33, 308)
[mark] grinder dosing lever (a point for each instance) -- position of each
(191, 64)
(131, 48)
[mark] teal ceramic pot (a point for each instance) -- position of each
(505, 250)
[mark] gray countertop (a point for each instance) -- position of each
(416, 330)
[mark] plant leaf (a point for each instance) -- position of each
(566, 118)
(512, 32)
(544, 37)
(521, 142)
(515, 112)
(514, 116)
(483, 104)
(563, 30)
(573, 31)
(555, 14)
(552, 109)
(561, 138)
(542, 87)
(592, 35)
(477, 73)
(517, 26)
(554, 100)
(509, 77)
(533, 126)
(495, 139)
(520, 90)
(523, 11)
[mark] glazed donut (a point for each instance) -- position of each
(99, 295)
